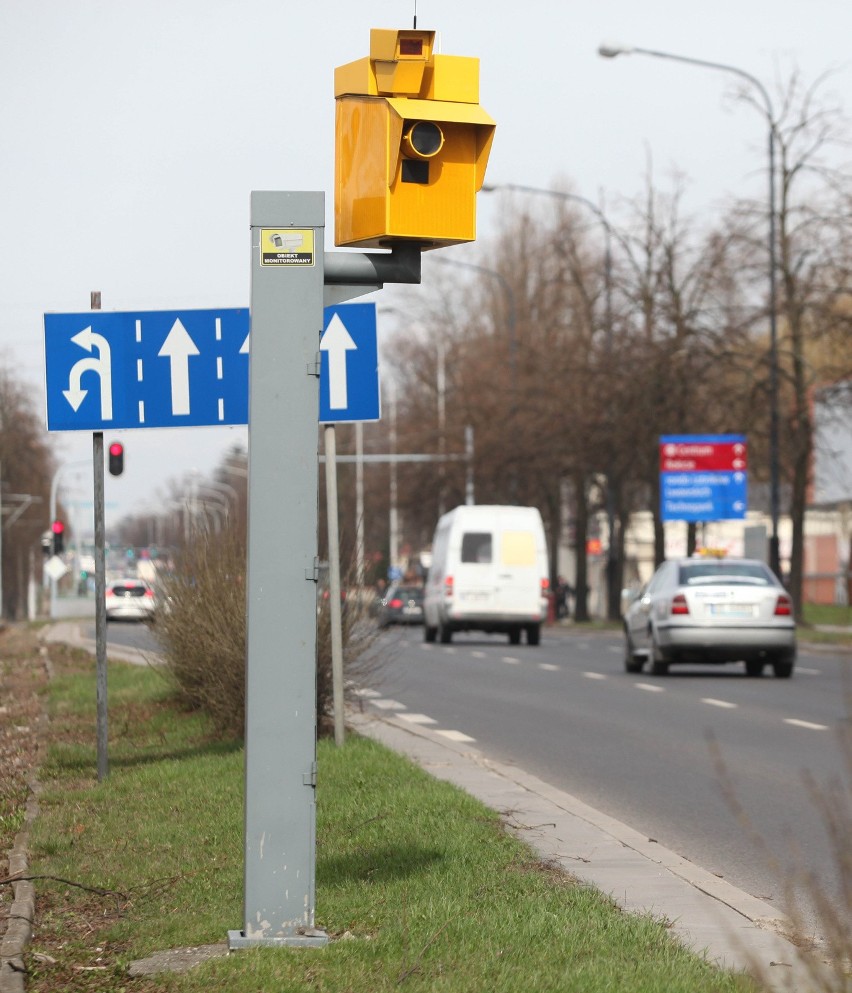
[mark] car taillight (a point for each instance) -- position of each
(545, 586)
(679, 604)
(783, 606)
(149, 593)
(448, 585)
(396, 603)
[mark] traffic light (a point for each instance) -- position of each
(116, 458)
(411, 144)
(58, 529)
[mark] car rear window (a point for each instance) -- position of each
(725, 573)
(125, 589)
(476, 546)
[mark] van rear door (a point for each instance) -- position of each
(518, 573)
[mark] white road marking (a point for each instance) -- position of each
(450, 651)
(367, 693)
(455, 735)
(509, 660)
(548, 667)
(418, 718)
(804, 671)
(479, 655)
(649, 687)
(618, 649)
(805, 724)
(719, 703)
(389, 704)
(594, 675)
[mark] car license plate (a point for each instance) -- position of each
(411, 610)
(732, 609)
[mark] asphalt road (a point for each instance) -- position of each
(654, 752)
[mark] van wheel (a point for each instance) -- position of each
(533, 634)
(429, 633)
(515, 636)
(445, 635)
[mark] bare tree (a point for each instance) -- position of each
(26, 469)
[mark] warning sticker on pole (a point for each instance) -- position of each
(286, 246)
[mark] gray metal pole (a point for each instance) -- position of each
(100, 607)
(280, 738)
(100, 592)
(334, 590)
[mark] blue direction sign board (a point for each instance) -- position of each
(703, 477)
(148, 369)
(349, 374)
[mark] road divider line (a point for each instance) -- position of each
(726, 704)
(367, 693)
(594, 675)
(418, 718)
(509, 660)
(549, 667)
(479, 655)
(805, 724)
(805, 671)
(455, 735)
(649, 687)
(388, 704)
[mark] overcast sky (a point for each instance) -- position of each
(132, 134)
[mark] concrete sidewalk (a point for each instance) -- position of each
(733, 929)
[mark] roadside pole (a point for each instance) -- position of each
(100, 593)
(334, 587)
(287, 266)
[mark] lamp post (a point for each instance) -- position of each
(612, 572)
(610, 52)
(513, 341)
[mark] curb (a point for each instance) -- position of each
(19, 930)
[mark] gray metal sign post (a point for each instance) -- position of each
(286, 322)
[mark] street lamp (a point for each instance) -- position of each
(613, 591)
(610, 52)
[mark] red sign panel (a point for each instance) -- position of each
(703, 455)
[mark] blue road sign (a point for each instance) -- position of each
(349, 375)
(703, 477)
(147, 369)
(703, 496)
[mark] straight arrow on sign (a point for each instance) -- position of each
(178, 347)
(337, 342)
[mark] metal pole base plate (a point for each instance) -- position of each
(307, 938)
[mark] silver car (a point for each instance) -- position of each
(711, 610)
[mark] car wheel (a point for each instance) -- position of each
(445, 635)
(754, 668)
(429, 633)
(631, 663)
(533, 634)
(783, 668)
(659, 666)
(515, 636)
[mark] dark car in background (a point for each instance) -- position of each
(711, 610)
(402, 604)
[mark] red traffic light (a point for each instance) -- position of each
(58, 529)
(116, 458)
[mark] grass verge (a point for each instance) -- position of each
(417, 882)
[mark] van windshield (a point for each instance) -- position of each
(476, 546)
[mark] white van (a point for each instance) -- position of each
(488, 573)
